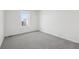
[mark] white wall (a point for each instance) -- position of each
(1, 26)
(64, 24)
(13, 24)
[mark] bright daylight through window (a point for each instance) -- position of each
(24, 17)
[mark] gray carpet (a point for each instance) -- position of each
(37, 40)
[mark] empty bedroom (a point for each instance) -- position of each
(39, 29)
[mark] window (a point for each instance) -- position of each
(24, 17)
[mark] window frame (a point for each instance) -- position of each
(24, 22)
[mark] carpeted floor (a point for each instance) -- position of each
(37, 40)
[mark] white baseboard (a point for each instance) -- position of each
(62, 36)
(21, 33)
